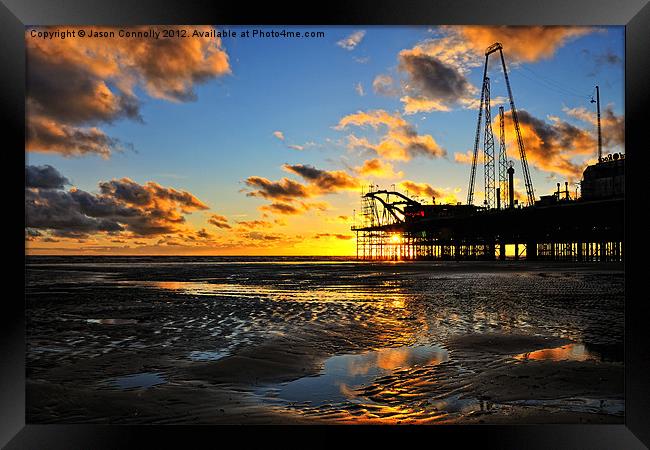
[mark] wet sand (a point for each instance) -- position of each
(300, 341)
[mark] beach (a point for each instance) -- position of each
(223, 340)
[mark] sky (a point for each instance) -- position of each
(261, 145)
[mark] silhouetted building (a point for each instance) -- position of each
(605, 179)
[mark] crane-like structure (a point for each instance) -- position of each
(503, 159)
(484, 102)
(488, 150)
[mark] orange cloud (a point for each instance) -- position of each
(254, 224)
(550, 146)
(413, 105)
(437, 68)
(612, 126)
(555, 145)
(323, 181)
(122, 207)
(75, 84)
(218, 221)
(48, 135)
(375, 167)
(343, 237)
(419, 189)
(520, 43)
(285, 189)
(425, 190)
(287, 195)
(291, 209)
(401, 141)
(464, 158)
(282, 208)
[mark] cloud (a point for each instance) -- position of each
(257, 236)
(359, 89)
(285, 189)
(600, 60)
(282, 208)
(464, 158)
(255, 224)
(120, 206)
(384, 85)
(413, 105)
(280, 135)
(293, 208)
(436, 69)
(612, 126)
(424, 190)
(419, 189)
(46, 135)
(288, 197)
(551, 146)
(32, 235)
(429, 78)
(151, 195)
(323, 181)
(219, 221)
(343, 237)
(520, 43)
(606, 58)
(555, 145)
(203, 234)
(44, 177)
(401, 141)
(75, 85)
(375, 167)
(350, 42)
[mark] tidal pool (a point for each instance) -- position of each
(207, 356)
(570, 352)
(342, 375)
(142, 380)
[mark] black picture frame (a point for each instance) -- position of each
(633, 14)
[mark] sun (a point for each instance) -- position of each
(395, 239)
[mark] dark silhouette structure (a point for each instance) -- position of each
(555, 227)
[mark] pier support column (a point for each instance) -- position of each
(502, 251)
(490, 251)
(516, 252)
(531, 251)
(579, 251)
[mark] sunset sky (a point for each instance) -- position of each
(259, 146)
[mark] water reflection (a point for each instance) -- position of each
(207, 356)
(571, 352)
(341, 293)
(142, 380)
(344, 374)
